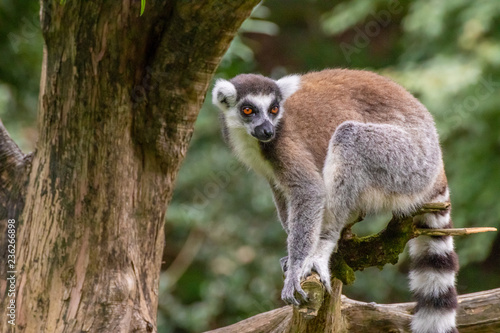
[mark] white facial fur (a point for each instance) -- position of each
(224, 96)
(263, 104)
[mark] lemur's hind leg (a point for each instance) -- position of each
(369, 165)
(343, 188)
(365, 158)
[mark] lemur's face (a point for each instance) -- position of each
(254, 102)
(258, 114)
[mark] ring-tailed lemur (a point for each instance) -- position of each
(336, 143)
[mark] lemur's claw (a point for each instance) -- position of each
(292, 285)
(327, 284)
(324, 275)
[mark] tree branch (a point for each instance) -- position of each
(14, 171)
(274, 321)
(453, 232)
(356, 253)
(13, 174)
(478, 312)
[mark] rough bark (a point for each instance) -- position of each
(478, 312)
(328, 318)
(119, 95)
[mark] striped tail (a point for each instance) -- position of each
(432, 274)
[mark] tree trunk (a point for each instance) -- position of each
(119, 95)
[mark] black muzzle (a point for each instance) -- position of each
(264, 132)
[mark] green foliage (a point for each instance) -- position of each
(20, 66)
(143, 6)
(347, 15)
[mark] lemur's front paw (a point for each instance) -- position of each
(284, 264)
(320, 266)
(292, 285)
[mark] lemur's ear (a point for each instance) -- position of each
(288, 85)
(224, 94)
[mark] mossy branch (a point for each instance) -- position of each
(357, 253)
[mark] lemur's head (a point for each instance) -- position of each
(254, 102)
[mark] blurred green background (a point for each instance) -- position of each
(223, 237)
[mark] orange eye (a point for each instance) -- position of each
(247, 111)
(274, 110)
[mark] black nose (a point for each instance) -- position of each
(264, 132)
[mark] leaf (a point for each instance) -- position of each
(143, 5)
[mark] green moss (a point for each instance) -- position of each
(357, 253)
(342, 271)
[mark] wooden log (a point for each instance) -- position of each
(477, 312)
